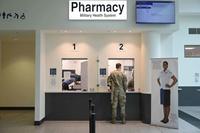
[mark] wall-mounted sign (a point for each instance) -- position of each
(121, 47)
(12, 15)
(102, 71)
(97, 10)
(52, 71)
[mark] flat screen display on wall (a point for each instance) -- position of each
(155, 12)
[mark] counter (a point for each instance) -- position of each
(74, 106)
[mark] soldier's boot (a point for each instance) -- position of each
(123, 119)
(113, 121)
(114, 114)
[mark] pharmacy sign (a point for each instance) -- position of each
(97, 10)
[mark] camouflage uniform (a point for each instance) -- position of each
(118, 85)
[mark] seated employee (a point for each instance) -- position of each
(74, 78)
(66, 83)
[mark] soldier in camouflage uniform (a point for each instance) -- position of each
(117, 82)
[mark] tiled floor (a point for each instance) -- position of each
(22, 122)
(191, 110)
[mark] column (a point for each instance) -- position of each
(40, 80)
(150, 48)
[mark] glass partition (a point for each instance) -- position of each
(127, 69)
(74, 74)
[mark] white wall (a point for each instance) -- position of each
(187, 66)
(40, 72)
(53, 14)
(189, 6)
(93, 47)
(166, 45)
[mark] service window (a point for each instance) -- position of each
(127, 68)
(74, 74)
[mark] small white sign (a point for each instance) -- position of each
(121, 47)
(97, 10)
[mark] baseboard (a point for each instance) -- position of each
(17, 108)
(188, 86)
(189, 118)
(38, 123)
